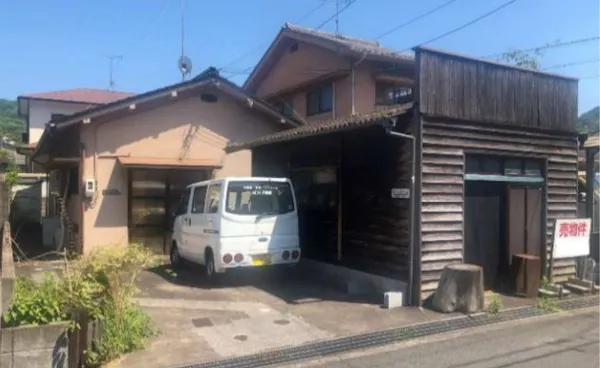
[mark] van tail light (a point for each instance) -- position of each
(238, 258)
(285, 255)
(295, 254)
(227, 258)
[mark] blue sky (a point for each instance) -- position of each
(61, 44)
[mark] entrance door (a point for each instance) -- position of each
(525, 221)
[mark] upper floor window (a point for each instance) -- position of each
(319, 100)
(392, 94)
(285, 107)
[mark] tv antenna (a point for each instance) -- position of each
(184, 63)
(111, 58)
(338, 3)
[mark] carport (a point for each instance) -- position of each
(352, 179)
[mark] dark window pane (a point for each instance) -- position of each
(492, 165)
(533, 168)
(473, 165)
(183, 202)
(326, 101)
(513, 166)
(391, 94)
(198, 200)
(312, 100)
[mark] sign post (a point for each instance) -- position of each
(571, 239)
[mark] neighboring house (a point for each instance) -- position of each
(40, 108)
(314, 75)
(494, 163)
(137, 155)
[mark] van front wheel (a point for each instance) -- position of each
(175, 257)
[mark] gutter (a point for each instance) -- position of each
(413, 200)
(354, 65)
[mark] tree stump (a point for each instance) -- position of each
(460, 289)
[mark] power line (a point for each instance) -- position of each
(581, 62)
(417, 18)
(152, 25)
(551, 46)
(459, 28)
(337, 13)
(245, 55)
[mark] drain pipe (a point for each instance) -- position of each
(413, 199)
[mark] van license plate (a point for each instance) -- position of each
(261, 260)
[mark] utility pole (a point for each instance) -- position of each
(111, 58)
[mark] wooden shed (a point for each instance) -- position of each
(497, 164)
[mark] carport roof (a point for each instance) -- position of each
(324, 127)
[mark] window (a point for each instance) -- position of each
(74, 180)
(183, 203)
(214, 192)
(392, 94)
(319, 101)
(285, 107)
(498, 165)
(199, 199)
(259, 198)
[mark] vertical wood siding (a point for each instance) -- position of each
(442, 202)
(463, 88)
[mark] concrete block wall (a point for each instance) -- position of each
(7, 269)
(35, 346)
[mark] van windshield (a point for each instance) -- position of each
(259, 198)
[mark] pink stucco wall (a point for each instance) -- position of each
(160, 133)
(310, 62)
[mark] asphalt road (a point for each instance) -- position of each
(563, 340)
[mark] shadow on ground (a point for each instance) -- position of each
(289, 284)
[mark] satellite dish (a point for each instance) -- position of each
(185, 65)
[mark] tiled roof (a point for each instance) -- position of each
(327, 126)
(367, 47)
(81, 95)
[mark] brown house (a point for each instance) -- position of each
(140, 152)
(474, 167)
(315, 76)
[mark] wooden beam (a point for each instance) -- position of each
(397, 79)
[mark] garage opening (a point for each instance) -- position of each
(153, 198)
(504, 206)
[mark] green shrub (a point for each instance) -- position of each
(495, 304)
(124, 329)
(101, 283)
(37, 303)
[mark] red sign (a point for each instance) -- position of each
(573, 228)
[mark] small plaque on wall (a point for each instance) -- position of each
(111, 192)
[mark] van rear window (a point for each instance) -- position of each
(259, 198)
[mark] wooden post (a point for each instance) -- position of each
(339, 203)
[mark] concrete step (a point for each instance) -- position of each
(577, 289)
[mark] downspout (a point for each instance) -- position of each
(413, 199)
(353, 76)
(81, 196)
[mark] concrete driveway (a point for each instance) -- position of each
(251, 311)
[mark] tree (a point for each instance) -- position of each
(523, 59)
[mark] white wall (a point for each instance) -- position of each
(40, 113)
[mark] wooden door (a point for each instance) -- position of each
(516, 221)
(524, 221)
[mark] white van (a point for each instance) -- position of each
(236, 222)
